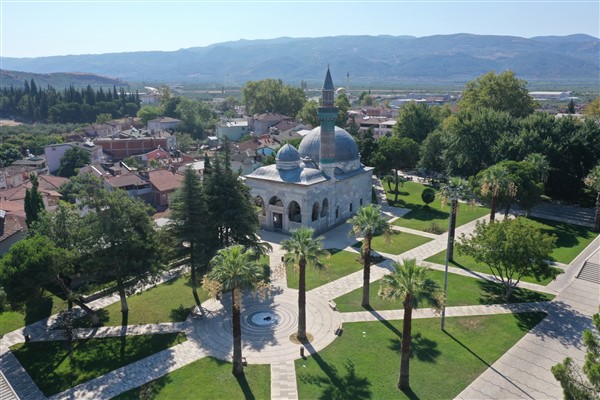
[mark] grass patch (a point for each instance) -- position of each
(468, 263)
(53, 371)
(462, 291)
(399, 242)
(340, 264)
(44, 306)
(571, 239)
(347, 370)
(421, 217)
(170, 301)
(209, 379)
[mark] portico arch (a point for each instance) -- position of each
(294, 212)
(315, 211)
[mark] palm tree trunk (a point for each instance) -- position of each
(238, 367)
(452, 229)
(396, 190)
(493, 207)
(507, 209)
(301, 335)
(366, 269)
(193, 274)
(403, 381)
(597, 222)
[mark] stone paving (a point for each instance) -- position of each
(270, 344)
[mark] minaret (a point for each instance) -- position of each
(327, 115)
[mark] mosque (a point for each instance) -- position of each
(320, 184)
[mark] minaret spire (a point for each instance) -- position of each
(327, 115)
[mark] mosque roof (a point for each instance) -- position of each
(346, 148)
(300, 175)
(288, 153)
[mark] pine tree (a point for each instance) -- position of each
(34, 203)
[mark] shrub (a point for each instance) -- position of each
(435, 229)
(428, 196)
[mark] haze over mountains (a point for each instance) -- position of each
(400, 60)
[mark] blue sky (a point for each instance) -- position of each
(44, 28)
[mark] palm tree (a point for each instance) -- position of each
(455, 189)
(593, 180)
(496, 181)
(541, 165)
(410, 283)
(302, 250)
(368, 222)
(234, 268)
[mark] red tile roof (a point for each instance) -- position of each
(12, 225)
(165, 181)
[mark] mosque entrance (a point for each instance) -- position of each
(277, 221)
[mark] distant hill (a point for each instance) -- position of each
(402, 60)
(58, 80)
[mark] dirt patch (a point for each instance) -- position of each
(471, 324)
(9, 122)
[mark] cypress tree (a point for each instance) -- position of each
(34, 203)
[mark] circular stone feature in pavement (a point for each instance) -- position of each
(267, 324)
(261, 318)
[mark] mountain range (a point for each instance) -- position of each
(354, 60)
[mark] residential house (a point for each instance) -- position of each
(132, 184)
(134, 142)
(232, 129)
(164, 183)
(162, 124)
(55, 152)
(12, 229)
(260, 124)
(48, 188)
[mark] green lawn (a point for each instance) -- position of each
(462, 291)
(399, 242)
(421, 217)
(467, 262)
(51, 369)
(571, 239)
(341, 263)
(168, 302)
(41, 308)
(209, 379)
(364, 362)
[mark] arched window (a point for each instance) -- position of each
(315, 211)
(361, 202)
(276, 201)
(337, 212)
(325, 208)
(294, 212)
(260, 205)
(351, 207)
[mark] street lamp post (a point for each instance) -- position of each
(449, 243)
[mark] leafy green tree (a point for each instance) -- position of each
(367, 145)
(103, 118)
(184, 141)
(592, 110)
(540, 164)
(470, 138)
(431, 153)
(395, 154)
(34, 203)
(196, 117)
(188, 215)
(121, 243)
(303, 250)
(28, 266)
(271, 95)
(428, 196)
(233, 269)
(593, 181)
(528, 186)
(571, 107)
(417, 120)
(578, 385)
(148, 113)
(308, 114)
(410, 283)
(500, 92)
(454, 190)
(9, 154)
(85, 188)
(511, 249)
(73, 159)
(368, 222)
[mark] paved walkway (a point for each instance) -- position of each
(269, 344)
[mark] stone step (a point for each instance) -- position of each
(590, 272)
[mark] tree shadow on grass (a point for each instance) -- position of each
(38, 308)
(147, 391)
(421, 348)
(241, 379)
(337, 386)
(493, 293)
(180, 313)
(86, 320)
(424, 214)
